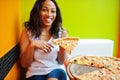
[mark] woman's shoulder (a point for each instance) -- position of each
(27, 32)
(24, 30)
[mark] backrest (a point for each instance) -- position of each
(97, 47)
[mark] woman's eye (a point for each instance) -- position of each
(53, 11)
(44, 10)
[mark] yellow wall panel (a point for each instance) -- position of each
(14, 73)
(9, 24)
(9, 32)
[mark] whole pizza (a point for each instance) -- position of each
(94, 68)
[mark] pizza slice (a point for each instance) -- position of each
(68, 43)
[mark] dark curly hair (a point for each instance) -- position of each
(34, 23)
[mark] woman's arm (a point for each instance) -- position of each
(27, 47)
(26, 50)
(62, 55)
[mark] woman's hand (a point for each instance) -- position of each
(62, 55)
(43, 45)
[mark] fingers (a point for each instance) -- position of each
(47, 47)
(43, 45)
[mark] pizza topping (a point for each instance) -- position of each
(109, 68)
(68, 43)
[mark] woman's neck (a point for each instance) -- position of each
(45, 31)
(46, 28)
(45, 35)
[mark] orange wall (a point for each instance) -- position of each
(9, 31)
(119, 37)
(9, 24)
(119, 45)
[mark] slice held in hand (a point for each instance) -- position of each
(68, 43)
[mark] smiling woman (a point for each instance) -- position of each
(38, 54)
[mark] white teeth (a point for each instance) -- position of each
(48, 20)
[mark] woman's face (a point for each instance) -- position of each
(48, 13)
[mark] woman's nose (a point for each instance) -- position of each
(49, 13)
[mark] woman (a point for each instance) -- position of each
(38, 54)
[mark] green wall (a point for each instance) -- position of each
(26, 6)
(86, 18)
